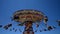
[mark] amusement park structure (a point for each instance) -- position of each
(27, 18)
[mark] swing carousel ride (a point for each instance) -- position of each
(27, 18)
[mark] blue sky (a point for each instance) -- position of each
(51, 8)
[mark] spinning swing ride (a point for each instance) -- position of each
(27, 17)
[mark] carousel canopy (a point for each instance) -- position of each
(28, 15)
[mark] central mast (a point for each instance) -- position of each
(28, 28)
